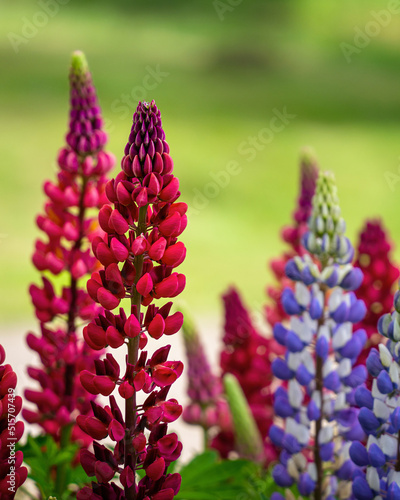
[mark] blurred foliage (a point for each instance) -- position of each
(43, 456)
(222, 82)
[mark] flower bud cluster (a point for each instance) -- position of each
(139, 254)
(380, 275)
(380, 416)
(319, 365)
(68, 229)
(292, 235)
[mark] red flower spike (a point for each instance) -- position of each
(143, 197)
(70, 233)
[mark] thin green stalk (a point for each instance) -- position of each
(133, 350)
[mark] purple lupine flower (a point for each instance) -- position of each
(380, 416)
(207, 407)
(319, 362)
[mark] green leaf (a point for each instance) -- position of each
(207, 477)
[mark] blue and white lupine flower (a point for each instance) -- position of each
(380, 417)
(317, 406)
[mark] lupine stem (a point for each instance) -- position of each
(397, 466)
(320, 388)
(70, 368)
(318, 424)
(133, 349)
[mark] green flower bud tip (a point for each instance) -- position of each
(247, 435)
(79, 65)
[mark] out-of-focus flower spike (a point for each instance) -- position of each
(248, 438)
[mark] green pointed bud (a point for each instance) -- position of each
(247, 436)
(79, 65)
(326, 227)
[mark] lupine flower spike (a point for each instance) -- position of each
(12, 474)
(380, 417)
(247, 436)
(319, 364)
(292, 235)
(379, 283)
(246, 355)
(68, 230)
(207, 407)
(140, 255)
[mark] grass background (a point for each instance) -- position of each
(225, 79)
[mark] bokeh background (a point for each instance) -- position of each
(219, 71)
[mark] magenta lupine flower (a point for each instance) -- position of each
(65, 250)
(207, 407)
(246, 355)
(292, 235)
(12, 474)
(380, 277)
(140, 254)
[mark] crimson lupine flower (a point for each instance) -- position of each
(207, 407)
(65, 250)
(140, 254)
(246, 355)
(292, 235)
(12, 474)
(380, 276)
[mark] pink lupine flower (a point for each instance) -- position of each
(139, 254)
(68, 230)
(379, 282)
(246, 354)
(292, 235)
(12, 474)
(207, 407)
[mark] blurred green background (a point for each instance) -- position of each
(223, 69)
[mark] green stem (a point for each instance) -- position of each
(70, 368)
(133, 352)
(319, 386)
(61, 476)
